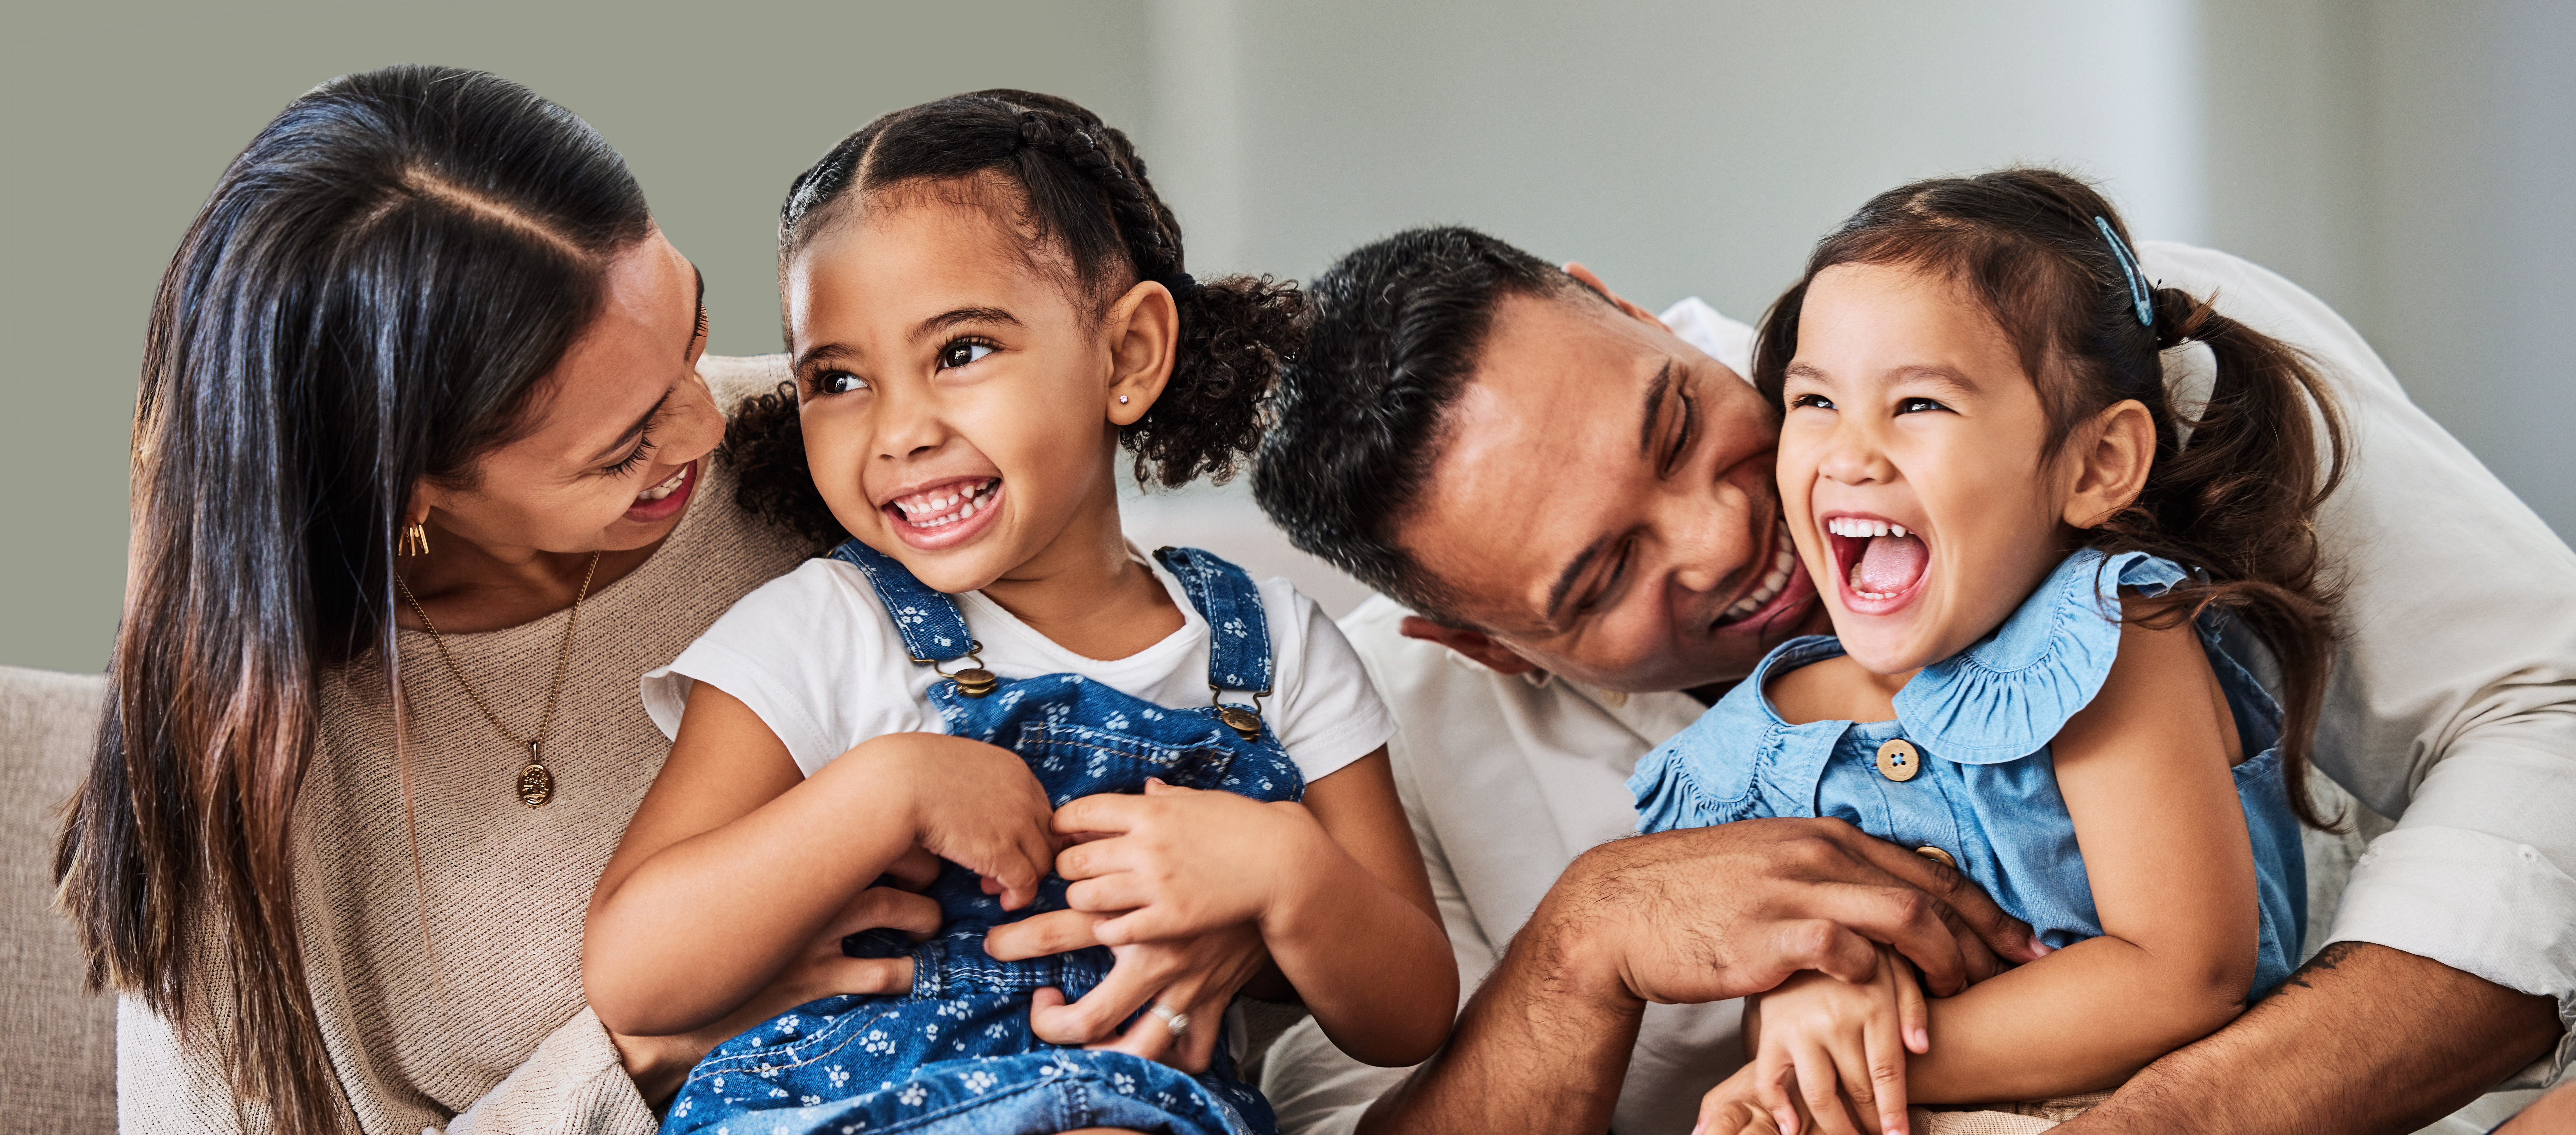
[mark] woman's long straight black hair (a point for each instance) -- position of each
(368, 298)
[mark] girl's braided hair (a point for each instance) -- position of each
(1084, 202)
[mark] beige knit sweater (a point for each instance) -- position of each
(452, 1000)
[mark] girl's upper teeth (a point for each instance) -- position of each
(941, 507)
(1856, 527)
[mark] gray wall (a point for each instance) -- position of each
(2406, 160)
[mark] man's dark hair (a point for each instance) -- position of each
(1395, 328)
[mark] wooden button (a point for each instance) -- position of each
(1936, 855)
(1898, 760)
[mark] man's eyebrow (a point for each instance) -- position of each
(1654, 410)
(1565, 580)
(632, 432)
(947, 319)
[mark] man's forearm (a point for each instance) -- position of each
(1542, 1047)
(2363, 1039)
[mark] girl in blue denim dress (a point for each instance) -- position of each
(2051, 589)
(980, 822)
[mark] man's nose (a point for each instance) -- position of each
(1710, 540)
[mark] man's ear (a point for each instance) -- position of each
(1144, 329)
(1474, 644)
(2111, 459)
(1592, 281)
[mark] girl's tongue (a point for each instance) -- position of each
(1889, 565)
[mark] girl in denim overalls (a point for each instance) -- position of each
(2050, 589)
(1147, 781)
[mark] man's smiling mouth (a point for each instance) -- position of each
(1784, 564)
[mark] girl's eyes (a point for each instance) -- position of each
(838, 382)
(962, 352)
(1817, 401)
(1917, 405)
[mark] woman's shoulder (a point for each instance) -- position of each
(2006, 695)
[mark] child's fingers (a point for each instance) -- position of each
(1820, 1089)
(1038, 935)
(1885, 1079)
(1109, 894)
(1851, 1058)
(830, 976)
(1913, 1016)
(1100, 812)
(1773, 1079)
(882, 908)
(915, 870)
(1154, 786)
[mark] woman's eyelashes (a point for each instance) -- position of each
(634, 460)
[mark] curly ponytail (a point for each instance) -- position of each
(1083, 192)
(2233, 491)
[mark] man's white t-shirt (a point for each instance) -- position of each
(815, 655)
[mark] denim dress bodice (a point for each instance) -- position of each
(956, 1054)
(1974, 777)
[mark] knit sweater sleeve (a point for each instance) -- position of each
(573, 1084)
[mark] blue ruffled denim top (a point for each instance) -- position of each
(1983, 788)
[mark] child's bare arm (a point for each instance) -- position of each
(735, 862)
(2145, 771)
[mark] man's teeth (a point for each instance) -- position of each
(666, 488)
(1784, 561)
(940, 507)
(1858, 528)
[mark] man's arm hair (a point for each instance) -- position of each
(2362, 1039)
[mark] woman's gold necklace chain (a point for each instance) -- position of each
(536, 785)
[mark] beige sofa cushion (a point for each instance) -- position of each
(61, 1039)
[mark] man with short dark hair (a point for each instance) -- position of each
(1568, 504)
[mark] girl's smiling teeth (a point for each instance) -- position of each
(1881, 561)
(948, 504)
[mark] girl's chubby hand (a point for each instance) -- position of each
(968, 802)
(1832, 1042)
(1177, 862)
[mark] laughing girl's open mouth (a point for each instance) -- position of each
(1878, 563)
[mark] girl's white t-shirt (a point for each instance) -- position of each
(815, 655)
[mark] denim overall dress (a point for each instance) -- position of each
(956, 1054)
(1964, 774)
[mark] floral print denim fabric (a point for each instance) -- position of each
(956, 1054)
(1985, 791)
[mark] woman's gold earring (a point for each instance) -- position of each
(415, 541)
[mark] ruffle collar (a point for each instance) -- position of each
(2006, 696)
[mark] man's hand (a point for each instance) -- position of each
(1686, 917)
(1709, 914)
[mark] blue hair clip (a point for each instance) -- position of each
(2129, 265)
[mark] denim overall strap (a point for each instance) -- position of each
(932, 628)
(1238, 632)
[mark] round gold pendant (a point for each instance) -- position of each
(1241, 720)
(536, 785)
(975, 681)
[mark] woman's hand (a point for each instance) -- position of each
(1178, 862)
(659, 1064)
(1197, 975)
(971, 803)
(1834, 1040)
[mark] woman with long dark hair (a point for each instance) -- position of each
(424, 476)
